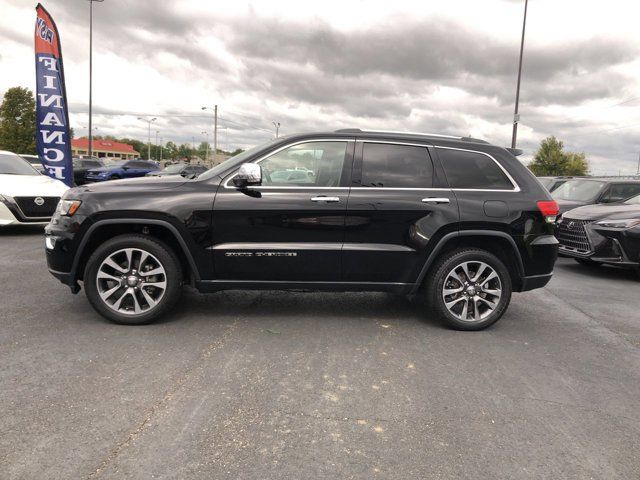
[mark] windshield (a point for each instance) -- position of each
(633, 200)
(237, 160)
(546, 182)
(177, 168)
(579, 190)
(14, 165)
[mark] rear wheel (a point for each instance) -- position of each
(133, 279)
(470, 289)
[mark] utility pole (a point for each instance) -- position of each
(516, 115)
(156, 145)
(149, 122)
(638, 169)
(91, 74)
(215, 129)
(161, 149)
(277, 125)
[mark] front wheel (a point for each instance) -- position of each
(470, 290)
(133, 279)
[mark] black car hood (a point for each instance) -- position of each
(605, 210)
(566, 205)
(137, 184)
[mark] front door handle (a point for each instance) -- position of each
(435, 200)
(323, 198)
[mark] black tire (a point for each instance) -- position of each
(114, 177)
(436, 284)
(586, 262)
(163, 255)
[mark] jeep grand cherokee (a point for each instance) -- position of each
(456, 219)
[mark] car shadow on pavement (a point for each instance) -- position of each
(283, 305)
(21, 230)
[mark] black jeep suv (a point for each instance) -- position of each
(350, 210)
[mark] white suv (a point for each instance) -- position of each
(26, 196)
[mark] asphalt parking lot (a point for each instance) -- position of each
(261, 385)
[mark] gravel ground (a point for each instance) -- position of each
(263, 385)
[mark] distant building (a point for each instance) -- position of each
(103, 148)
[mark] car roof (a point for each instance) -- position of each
(609, 180)
(7, 152)
(389, 135)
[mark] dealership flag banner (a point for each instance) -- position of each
(53, 140)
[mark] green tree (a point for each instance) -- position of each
(203, 148)
(551, 159)
(185, 151)
(170, 151)
(576, 164)
(18, 121)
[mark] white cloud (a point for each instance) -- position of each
(324, 65)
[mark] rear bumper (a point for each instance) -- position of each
(535, 281)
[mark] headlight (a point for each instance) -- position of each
(68, 207)
(619, 223)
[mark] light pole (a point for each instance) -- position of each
(149, 122)
(161, 149)
(516, 116)
(277, 125)
(215, 129)
(91, 73)
(156, 145)
(206, 155)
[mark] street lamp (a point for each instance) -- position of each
(277, 125)
(215, 129)
(516, 115)
(91, 73)
(149, 122)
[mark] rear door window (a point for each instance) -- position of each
(396, 166)
(472, 170)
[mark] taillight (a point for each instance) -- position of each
(548, 209)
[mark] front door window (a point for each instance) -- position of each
(311, 164)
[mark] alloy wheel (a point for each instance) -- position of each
(472, 291)
(131, 281)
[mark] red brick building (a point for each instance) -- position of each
(103, 148)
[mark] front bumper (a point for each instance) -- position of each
(10, 214)
(606, 245)
(62, 237)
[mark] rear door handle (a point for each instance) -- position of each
(435, 200)
(324, 198)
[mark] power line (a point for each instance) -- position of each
(171, 115)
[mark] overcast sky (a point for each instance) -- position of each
(432, 66)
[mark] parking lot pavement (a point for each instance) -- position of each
(291, 385)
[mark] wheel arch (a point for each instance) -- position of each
(499, 243)
(103, 230)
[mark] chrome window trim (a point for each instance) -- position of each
(394, 142)
(267, 155)
(516, 187)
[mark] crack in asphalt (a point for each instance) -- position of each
(157, 406)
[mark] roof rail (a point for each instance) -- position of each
(359, 130)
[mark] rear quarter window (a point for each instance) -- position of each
(466, 169)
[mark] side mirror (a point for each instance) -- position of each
(249, 174)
